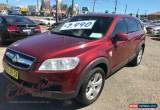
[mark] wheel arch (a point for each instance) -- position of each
(101, 62)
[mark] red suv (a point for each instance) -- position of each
(76, 57)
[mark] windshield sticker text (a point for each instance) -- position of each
(87, 24)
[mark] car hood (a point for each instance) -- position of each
(48, 45)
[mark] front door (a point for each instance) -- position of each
(120, 49)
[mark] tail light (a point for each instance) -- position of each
(37, 29)
(12, 28)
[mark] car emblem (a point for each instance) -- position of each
(15, 58)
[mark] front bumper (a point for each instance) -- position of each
(56, 86)
(42, 93)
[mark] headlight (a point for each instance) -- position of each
(60, 64)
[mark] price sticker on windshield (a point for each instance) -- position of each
(86, 24)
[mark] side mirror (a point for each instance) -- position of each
(121, 36)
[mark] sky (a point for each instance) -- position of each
(144, 6)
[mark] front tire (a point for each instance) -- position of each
(92, 87)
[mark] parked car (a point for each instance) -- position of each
(147, 23)
(55, 25)
(76, 57)
(154, 30)
(48, 21)
(155, 22)
(3, 12)
(37, 22)
(13, 28)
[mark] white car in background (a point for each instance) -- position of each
(48, 21)
(154, 30)
(3, 12)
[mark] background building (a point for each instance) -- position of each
(155, 15)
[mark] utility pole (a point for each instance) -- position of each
(126, 9)
(94, 2)
(50, 7)
(137, 14)
(137, 10)
(57, 11)
(7, 3)
(146, 16)
(115, 9)
(37, 5)
(72, 8)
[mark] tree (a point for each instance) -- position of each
(64, 6)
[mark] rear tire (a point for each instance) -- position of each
(91, 87)
(137, 60)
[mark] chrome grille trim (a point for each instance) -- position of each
(23, 59)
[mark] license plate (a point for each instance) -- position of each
(27, 30)
(10, 71)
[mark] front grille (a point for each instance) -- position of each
(18, 59)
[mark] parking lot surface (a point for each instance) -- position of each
(130, 85)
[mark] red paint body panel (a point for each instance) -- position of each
(47, 45)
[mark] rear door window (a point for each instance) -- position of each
(132, 25)
(140, 26)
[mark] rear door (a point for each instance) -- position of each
(134, 33)
(120, 49)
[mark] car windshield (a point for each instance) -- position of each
(18, 20)
(88, 27)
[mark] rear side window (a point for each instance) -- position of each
(132, 25)
(120, 27)
(140, 26)
(18, 20)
